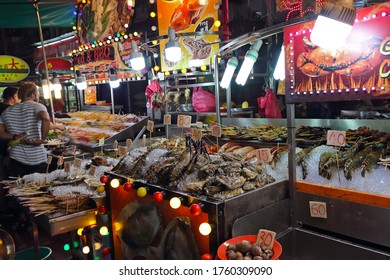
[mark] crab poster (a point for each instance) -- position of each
(186, 17)
(359, 70)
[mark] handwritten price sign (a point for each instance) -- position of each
(167, 119)
(266, 238)
(92, 170)
(150, 126)
(183, 121)
(122, 151)
(60, 160)
(101, 141)
(129, 142)
(115, 145)
(318, 209)
(263, 155)
(196, 134)
(67, 166)
(216, 131)
(335, 138)
(77, 163)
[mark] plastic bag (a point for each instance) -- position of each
(268, 105)
(203, 101)
(154, 93)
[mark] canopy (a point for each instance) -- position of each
(21, 13)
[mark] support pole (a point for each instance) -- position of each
(216, 81)
(112, 100)
(35, 4)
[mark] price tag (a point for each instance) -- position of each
(167, 119)
(265, 238)
(129, 142)
(115, 145)
(49, 159)
(196, 134)
(150, 126)
(60, 161)
(216, 131)
(122, 151)
(335, 138)
(263, 155)
(77, 162)
(101, 141)
(183, 121)
(199, 124)
(67, 166)
(92, 170)
(318, 209)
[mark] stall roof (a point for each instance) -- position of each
(21, 13)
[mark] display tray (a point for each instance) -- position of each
(344, 194)
(58, 223)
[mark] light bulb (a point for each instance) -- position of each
(114, 183)
(205, 228)
(175, 202)
(103, 230)
(333, 26)
(229, 71)
(279, 73)
(246, 67)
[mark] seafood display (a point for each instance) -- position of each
(264, 132)
(88, 127)
(188, 168)
(61, 192)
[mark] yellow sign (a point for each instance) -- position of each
(12, 69)
(189, 16)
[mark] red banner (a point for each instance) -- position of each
(361, 69)
(60, 49)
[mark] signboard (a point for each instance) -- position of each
(98, 19)
(360, 70)
(12, 69)
(59, 49)
(184, 18)
(90, 95)
(55, 65)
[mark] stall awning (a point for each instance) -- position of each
(21, 13)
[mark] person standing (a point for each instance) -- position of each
(27, 122)
(10, 97)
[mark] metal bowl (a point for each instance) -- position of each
(7, 246)
(186, 108)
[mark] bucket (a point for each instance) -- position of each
(29, 254)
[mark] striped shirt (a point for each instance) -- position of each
(23, 118)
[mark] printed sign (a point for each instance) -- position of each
(318, 209)
(263, 155)
(12, 69)
(266, 238)
(167, 119)
(335, 138)
(183, 121)
(216, 131)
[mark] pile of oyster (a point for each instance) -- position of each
(183, 169)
